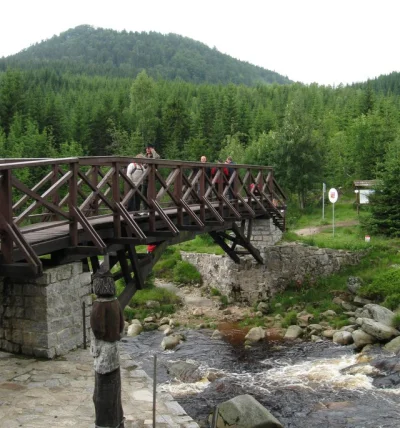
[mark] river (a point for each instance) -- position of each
(303, 384)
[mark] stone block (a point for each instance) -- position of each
(44, 353)
(77, 268)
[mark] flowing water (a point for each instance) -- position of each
(302, 384)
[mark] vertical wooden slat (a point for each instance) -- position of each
(117, 197)
(6, 211)
(72, 202)
(95, 181)
(202, 193)
(178, 194)
(151, 196)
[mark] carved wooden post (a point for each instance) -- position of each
(107, 323)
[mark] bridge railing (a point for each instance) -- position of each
(38, 194)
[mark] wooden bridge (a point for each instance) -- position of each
(54, 211)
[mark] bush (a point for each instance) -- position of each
(392, 302)
(382, 286)
(185, 273)
(396, 321)
(289, 319)
(161, 295)
(215, 292)
(224, 301)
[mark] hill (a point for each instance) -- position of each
(98, 51)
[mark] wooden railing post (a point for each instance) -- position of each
(202, 190)
(95, 181)
(72, 203)
(178, 195)
(56, 196)
(117, 198)
(6, 212)
(151, 196)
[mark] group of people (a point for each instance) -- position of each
(136, 170)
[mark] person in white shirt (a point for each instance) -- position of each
(135, 171)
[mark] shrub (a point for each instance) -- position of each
(215, 292)
(383, 285)
(185, 273)
(392, 302)
(224, 301)
(396, 321)
(289, 319)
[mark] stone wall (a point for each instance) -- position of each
(264, 234)
(43, 316)
(249, 282)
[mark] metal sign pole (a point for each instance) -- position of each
(333, 197)
(323, 200)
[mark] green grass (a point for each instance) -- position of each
(379, 267)
(201, 244)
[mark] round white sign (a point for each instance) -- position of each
(333, 195)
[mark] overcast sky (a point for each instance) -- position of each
(323, 41)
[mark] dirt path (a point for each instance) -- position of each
(317, 229)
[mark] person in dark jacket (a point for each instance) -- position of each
(107, 324)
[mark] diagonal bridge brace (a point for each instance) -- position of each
(238, 238)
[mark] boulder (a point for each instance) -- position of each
(171, 341)
(244, 411)
(380, 314)
(378, 330)
(361, 338)
(134, 330)
(342, 338)
(393, 345)
(263, 307)
(255, 334)
(216, 335)
(293, 332)
(185, 371)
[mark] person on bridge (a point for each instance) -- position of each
(222, 178)
(135, 172)
(150, 154)
(107, 324)
(231, 170)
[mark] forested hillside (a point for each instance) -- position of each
(97, 51)
(310, 134)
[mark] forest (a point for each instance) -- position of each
(310, 134)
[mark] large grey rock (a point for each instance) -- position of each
(185, 371)
(361, 338)
(170, 342)
(293, 332)
(134, 330)
(393, 345)
(342, 338)
(378, 330)
(380, 314)
(263, 307)
(255, 334)
(244, 411)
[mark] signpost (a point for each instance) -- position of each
(333, 197)
(323, 200)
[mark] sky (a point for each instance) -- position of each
(328, 42)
